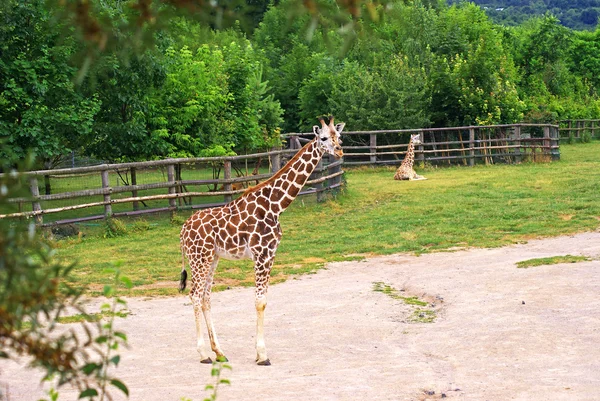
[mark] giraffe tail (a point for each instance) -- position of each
(183, 279)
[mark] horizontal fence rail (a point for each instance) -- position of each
(125, 189)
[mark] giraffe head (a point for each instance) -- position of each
(328, 136)
(416, 139)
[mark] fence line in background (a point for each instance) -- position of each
(175, 190)
(577, 128)
(509, 143)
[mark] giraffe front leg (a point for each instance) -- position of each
(261, 348)
(262, 272)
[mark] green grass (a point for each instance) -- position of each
(554, 260)
(89, 317)
(483, 206)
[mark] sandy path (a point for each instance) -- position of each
(502, 333)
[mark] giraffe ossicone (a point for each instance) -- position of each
(406, 170)
(248, 228)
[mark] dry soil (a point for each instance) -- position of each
(500, 333)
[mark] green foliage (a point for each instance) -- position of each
(473, 76)
(209, 100)
(216, 372)
(585, 56)
(188, 112)
(390, 97)
(41, 110)
(200, 92)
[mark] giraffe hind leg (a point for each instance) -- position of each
(212, 335)
(200, 270)
(200, 347)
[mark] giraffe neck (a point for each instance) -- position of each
(409, 159)
(284, 186)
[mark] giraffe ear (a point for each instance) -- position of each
(339, 127)
(316, 130)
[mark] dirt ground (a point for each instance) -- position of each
(501, 333)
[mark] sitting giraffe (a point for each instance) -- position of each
(406, 171)
(248, 228)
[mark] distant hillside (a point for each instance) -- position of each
(576, 14)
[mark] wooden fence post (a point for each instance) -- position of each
(172, 187)
(227, 176)
(373, 148)
(518, 155)
(319, 186)
(420, 148)
(471, 146)
(106, 189)
(546, 148)
(276, 159)
(555, 135)
(569, 132)
(337, 180)
(35, 193)
(593, 127)
(134, 193)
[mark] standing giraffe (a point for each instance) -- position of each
(406, 171)
(248, 228)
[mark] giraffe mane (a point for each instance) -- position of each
(279, 173)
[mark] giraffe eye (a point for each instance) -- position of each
(324, 138)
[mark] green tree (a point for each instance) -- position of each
(585, 57)
(392, 96)
(473, 78)
(188, 113)
(552, 86)
(119, 131)
(41, 110)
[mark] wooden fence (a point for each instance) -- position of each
(116, 189)
(174, 192)
(578, 128)
(511, 143)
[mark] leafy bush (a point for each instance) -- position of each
(586, 137)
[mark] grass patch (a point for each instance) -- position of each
(554, 260)
(90, 317)
(482, 206)
(422, 312)
(393, 293)
(421, 315)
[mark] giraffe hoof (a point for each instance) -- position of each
(207, 360)
(222, 358)
(266, 362)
